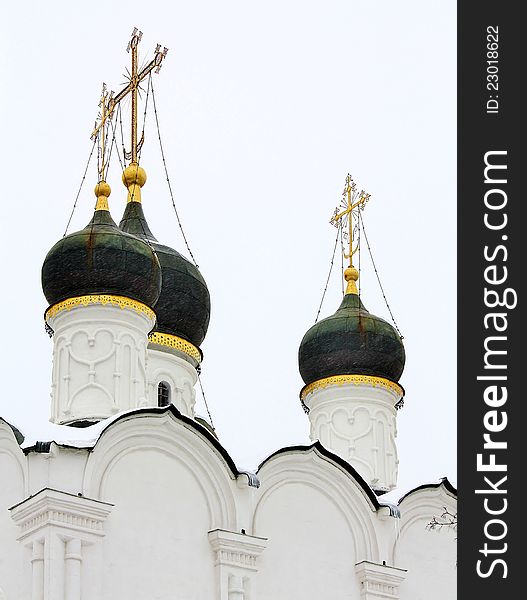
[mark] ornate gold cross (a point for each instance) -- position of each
(102, 118)
(110, 102)
(351, 200)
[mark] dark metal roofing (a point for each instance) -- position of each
(444, 481)
(101, 259)
(183, 306)
(19, 436)
(45, 446)
(331, 457)
(351, 342)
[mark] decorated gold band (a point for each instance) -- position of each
(173, 341)
(354, 379)
(120, 301)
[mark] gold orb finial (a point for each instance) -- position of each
(351, 275)
(102, 191)
(134, 178)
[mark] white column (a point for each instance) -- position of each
(236, 560)
(72, 575)
(357, 421)
(99, 358)
(56, 525)
(379, 582)
(236, 591)
(37, 567)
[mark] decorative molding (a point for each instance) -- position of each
(333, 482)
(236, 549)
(379, 582)
(173, 341)
(121, 301)
(359, 425)
(77, 514)
(161, 430)
(99, 363)
(178, 373)
(353, 379)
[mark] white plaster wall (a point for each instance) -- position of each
(319, 526)
(99, 362)
(358, 423)
(169, 487)
(310, 552)
(161, 518)
(61, 468)
(181, 376)
(15, 568)
(429, 556)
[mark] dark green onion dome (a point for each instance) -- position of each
(351, 342)
(183, 307)
(101, 259)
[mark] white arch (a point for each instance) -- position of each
(165, 433)
(421, 505)
(10, 447)
(339, 487)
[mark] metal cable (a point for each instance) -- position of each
(144, 114)
(122, 134)
(205, 400)
(114, 139)
(80, 187)
(341, 261)
(168, 181)
(329, 274)
(379, 279)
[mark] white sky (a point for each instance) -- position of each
(264, 108)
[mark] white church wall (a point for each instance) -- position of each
(429, 556)
(15, 573)
(157, 507)
(318, 524)
(169, 488)
(180, 375)
(61, 468)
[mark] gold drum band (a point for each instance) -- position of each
(173, 341)
(353, 379)
(120, 301)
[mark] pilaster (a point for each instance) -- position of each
(236, 563)
(56, 526)
(379, 582)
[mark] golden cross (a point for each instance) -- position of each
(349, 204)
(103, 116)
(132, 87)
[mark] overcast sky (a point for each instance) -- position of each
(264, 108)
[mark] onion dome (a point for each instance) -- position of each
(101, 259)
(183, 307)
(351, 342)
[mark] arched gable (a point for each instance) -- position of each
(10, 449)
(167, 432)
(337, 481)
(432, 569)
(13, 489)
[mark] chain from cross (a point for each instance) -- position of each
(110, 102)
(350, 203)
